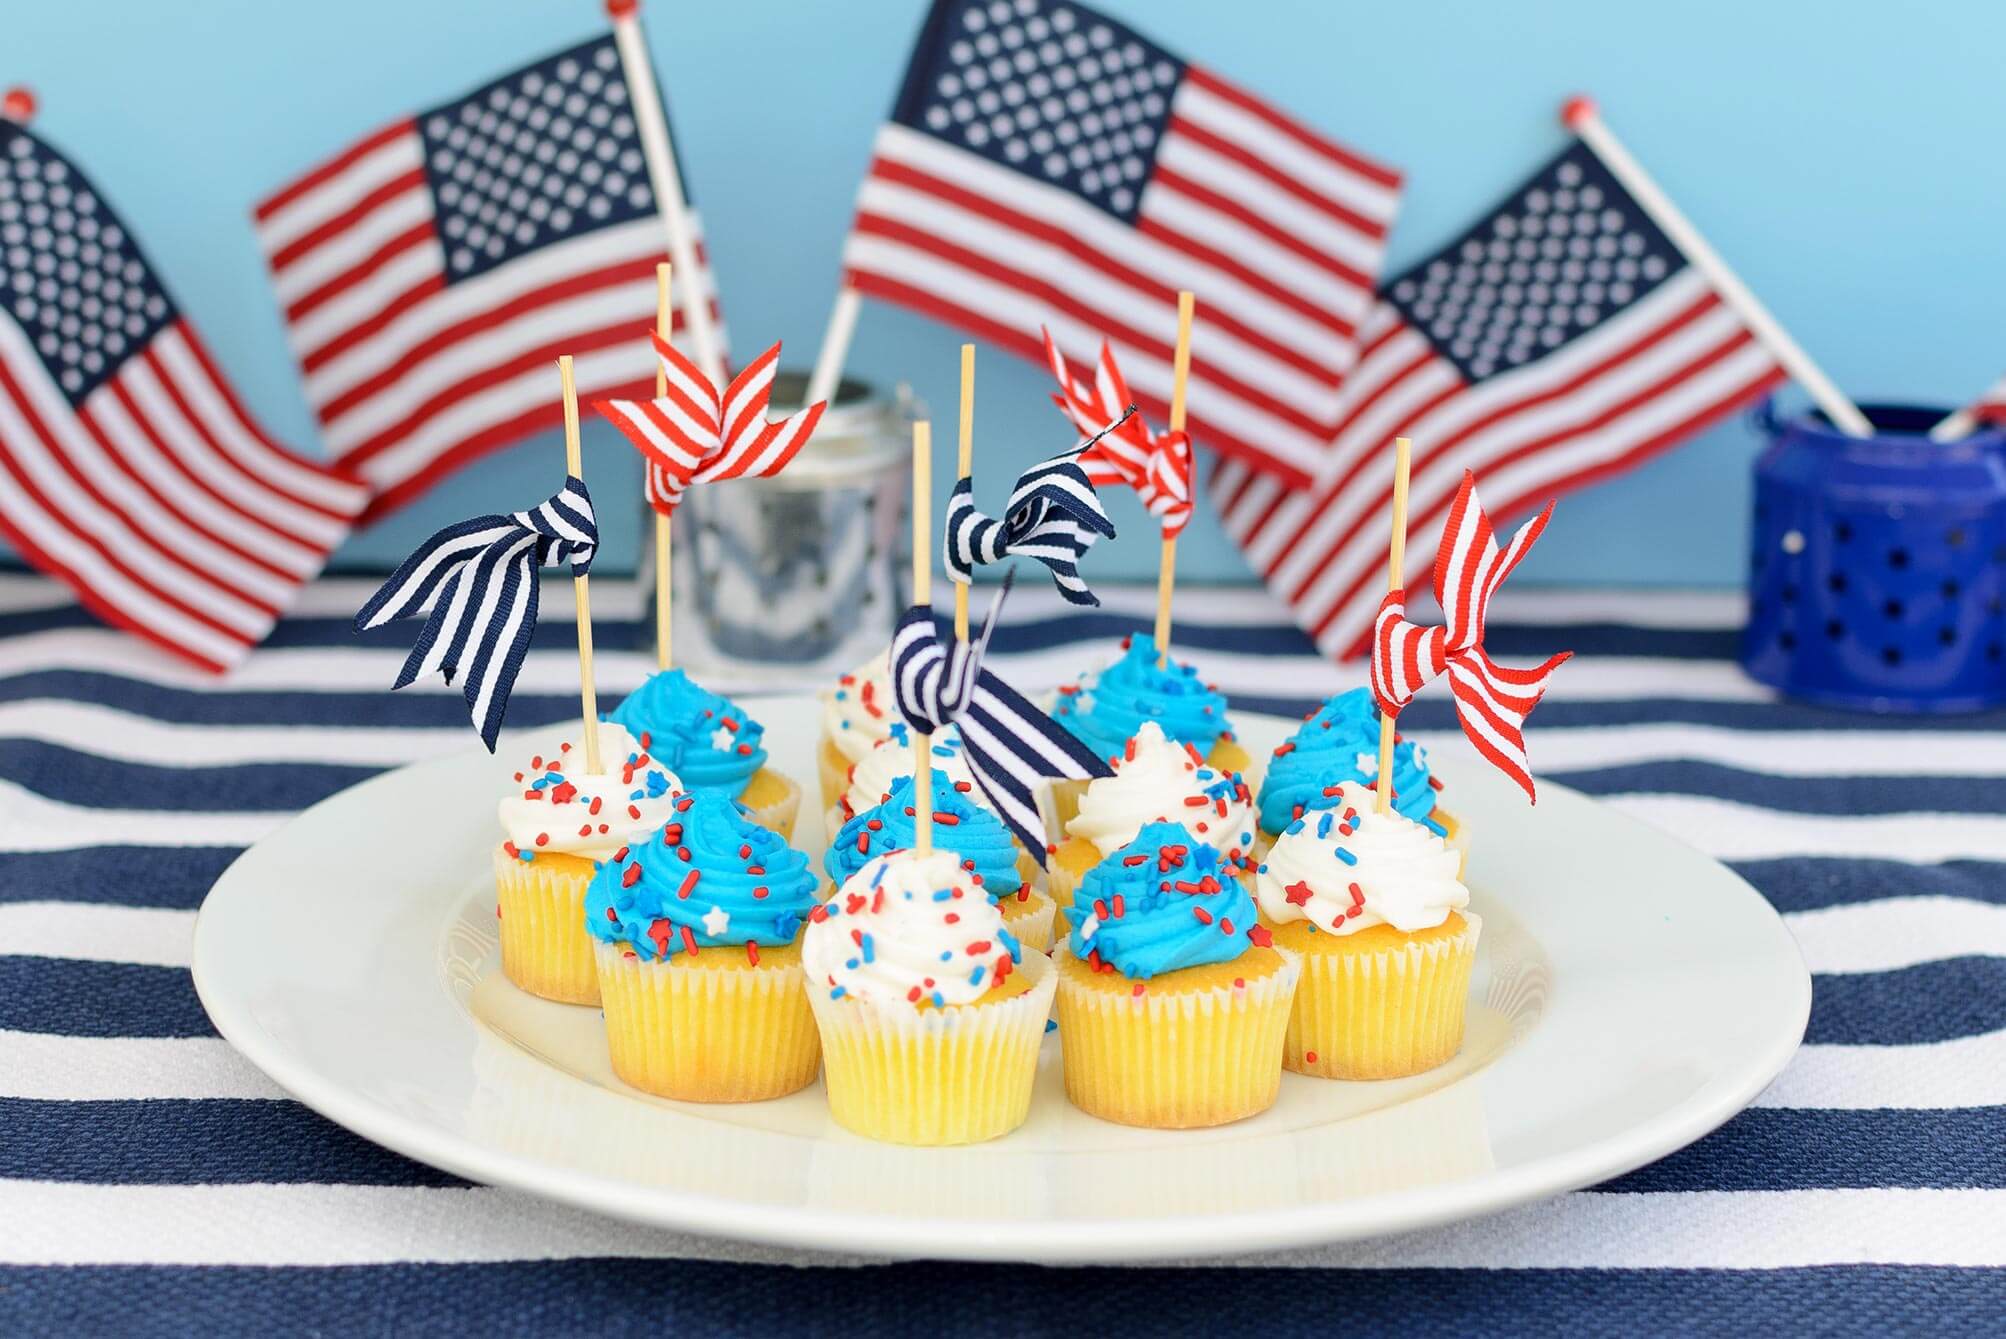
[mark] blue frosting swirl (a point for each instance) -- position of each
(960, 825)
(1178, 903)
(1135, 689)
(706, 740)
(1325, 751)
(712, 872)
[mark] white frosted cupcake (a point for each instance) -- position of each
(858, 711)
(559, 822)
(1372, 904)
(1154, 781)
(931, 1017)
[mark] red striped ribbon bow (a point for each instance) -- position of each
(1492, 700)
(1157, 465)
(694, 435)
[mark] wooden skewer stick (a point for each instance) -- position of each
(922, 595)
(665, 323)
(1396, 562)
(965, 465)
(1166, 565)
(588, 695)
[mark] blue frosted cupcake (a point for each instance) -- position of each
(980, 843)
(1106, 709)
(712, 743)
(696, 935)
(1337, 744)
(1173, 1002)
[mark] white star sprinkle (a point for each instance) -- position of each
(716, 921)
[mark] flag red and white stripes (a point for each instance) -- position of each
(692, 434)
(1156, 465)
(1492, 700)
(128, 466)
(1125, 176)
(431, 272)
(1542, 399)
(1991, 406)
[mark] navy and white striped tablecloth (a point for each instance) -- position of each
(153, 1180)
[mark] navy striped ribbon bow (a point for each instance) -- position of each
(1009, 744)
(1054, 516)
(479, 577)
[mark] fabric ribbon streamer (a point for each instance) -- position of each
(1156, 465)
(1009, 744)
(1492, 700)
(1054, 516)
(480, 579)
(696, 435)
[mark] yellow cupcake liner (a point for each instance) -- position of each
(1174, 1058)
(832, 767)
(1381, 1013)
(697, 1032)
(545, 949)
(772, 800)
(1029, 916)
(934, 1077)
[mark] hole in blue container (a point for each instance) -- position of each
(1954, 537)
(1897, 558)
(1842, 532)
(1992, 653)
(1946, 635)
(1789, 594)
(1892, 654)
(1787, 640)
(1950, 589)
(1893, 608)
(1835, 629)
(1837, 581)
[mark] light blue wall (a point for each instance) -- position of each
(1844, 156)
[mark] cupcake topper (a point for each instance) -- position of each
(665, 326)
(690, 433)
(1054, 516)
(1492, 700)
(922, 602)
(588, 694)
(479, 578)
(1157, 466)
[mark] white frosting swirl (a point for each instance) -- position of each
(871, 776)
(1405, 876)
(1156, 780)
(858, 710)
(576, 813)
(906, 929)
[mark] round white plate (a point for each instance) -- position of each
(1630, 995)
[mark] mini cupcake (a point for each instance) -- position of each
(560, 821)
(699, 971)
(1339, 743)
(869, 779)
(1155, 781)
(857, 713)
(1373, 904)
(712, 744)
(931, 1017)
(1105, 710)
(1173, 1001)
(983, 847)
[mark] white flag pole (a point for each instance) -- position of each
(1956, 427)
(835, 347)
(1579, 115)
(669, 203)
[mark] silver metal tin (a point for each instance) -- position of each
(795, 579)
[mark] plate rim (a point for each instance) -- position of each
(1073, 1240)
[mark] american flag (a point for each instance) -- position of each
(1991, 406)
(430, 272)
(1046, 165)
(1562, 340)
(128, 467)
